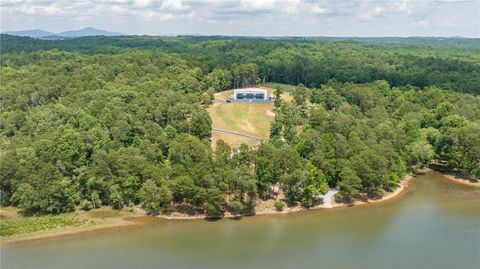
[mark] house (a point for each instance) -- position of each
(249, 95)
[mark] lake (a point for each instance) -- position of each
(435, 223)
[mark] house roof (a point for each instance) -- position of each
(250, 90)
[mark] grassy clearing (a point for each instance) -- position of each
(287, 90)
(15, 226)
(233, 140)
(24, 225)
(285, 87)
(245, 118)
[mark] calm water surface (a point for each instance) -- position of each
(434, 224)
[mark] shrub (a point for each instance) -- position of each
(236, 207)
(212, 210)
(116, 199)
(154, 198)
(279, 205)
(86, 205)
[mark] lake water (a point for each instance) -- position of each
(435, 223)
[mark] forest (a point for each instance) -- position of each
(122, 121)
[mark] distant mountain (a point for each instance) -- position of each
(88, 31)
(37, 33)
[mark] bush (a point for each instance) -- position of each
(154, 198)
(54, 198)
(4, 198)
(214, 206)
(86, 205)
(212, 210)
(236, 207)
(116, 199)
(279, 205)
(339, 197)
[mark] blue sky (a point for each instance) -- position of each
(249, 17)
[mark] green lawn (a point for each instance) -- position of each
(246, 118)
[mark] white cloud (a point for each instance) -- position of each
(141, 3)
(317, 9)
(288, 17)
(423, 23)
(257, 4)
(379, 10)
(402, 5)
(119, 10)
(175, 5)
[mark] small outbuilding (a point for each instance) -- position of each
(249, 95)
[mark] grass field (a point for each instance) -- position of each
(245, 118)
(233, 140)
(288, 90)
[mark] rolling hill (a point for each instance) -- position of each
(36, 33)
(88, 31)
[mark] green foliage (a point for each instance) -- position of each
(155, 199)
(131, 190)
(25, 225)
(234, 61)
(236, 207)
(244, 75)
(202, 125)
(184, 189)
(219, 79)
(350, 185)
(121, 120)
(57, 197)
(214, 204)
(278, 97)
(24, 196)
(86, 205)
(420, 153)
(279, 205)
(300, 94)
(188, 151)
(315, 184)
(115, 197)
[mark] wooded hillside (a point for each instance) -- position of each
(122, 120)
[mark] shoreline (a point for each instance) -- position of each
(387, 196)
(456, 176)
(64, 231)
(95, 224)
(294, 209)
(129, 219)
(462, 180)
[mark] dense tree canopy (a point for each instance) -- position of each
(121, 120)
(449, 63)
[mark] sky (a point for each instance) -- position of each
(249, 17)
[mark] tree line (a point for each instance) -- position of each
(448, 63)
